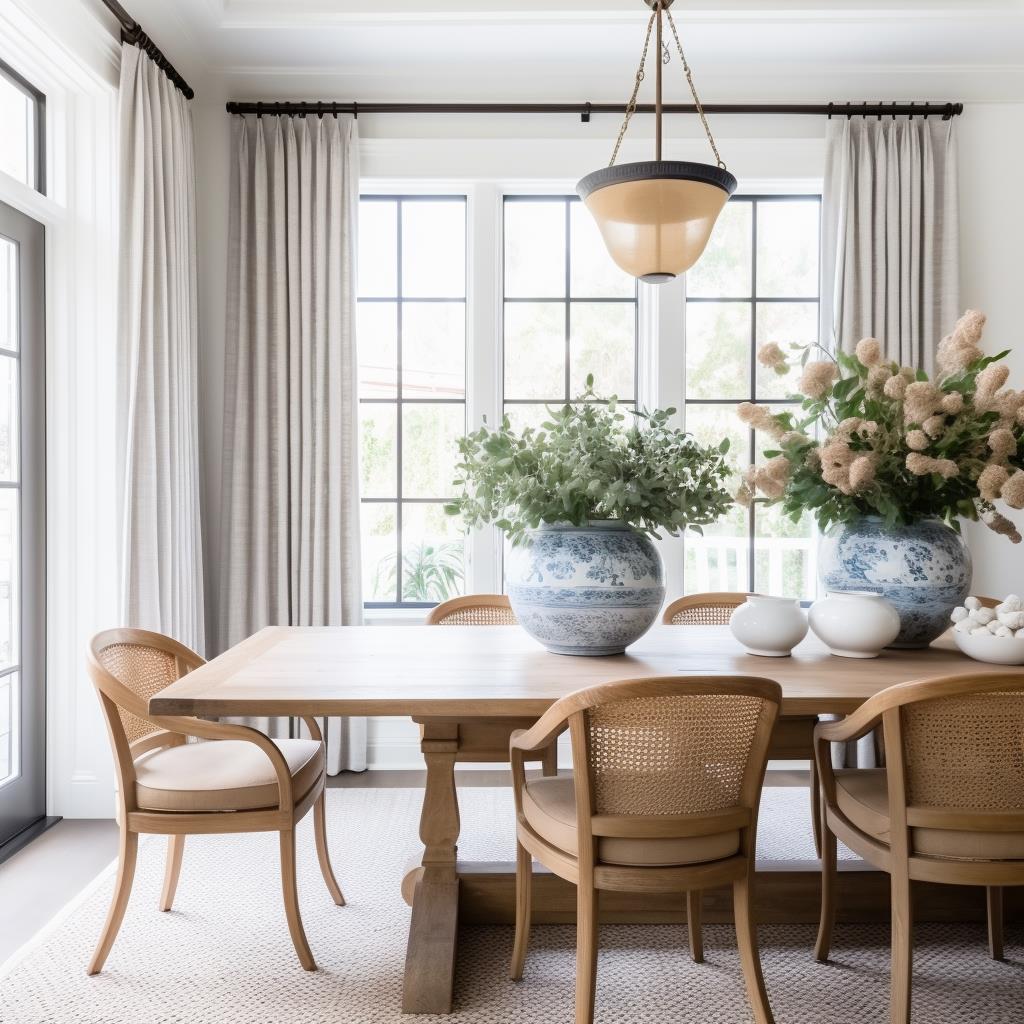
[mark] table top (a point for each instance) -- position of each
(496, 671)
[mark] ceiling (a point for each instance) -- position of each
(588, 49)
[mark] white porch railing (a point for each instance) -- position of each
(723, 563)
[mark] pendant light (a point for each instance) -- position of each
(656, 216)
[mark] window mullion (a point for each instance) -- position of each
(483, 359)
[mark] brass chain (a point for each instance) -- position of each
(631, 105)
(693, 90)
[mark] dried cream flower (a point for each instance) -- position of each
(760, 418)
(791, 436)
(862, 472)
(992, 378)
(817, 378)
(958, 350)
(990, 481)
(1013, 490)
(894, 387)
(922, 465)
(772, 356)
(877, 377)
(869, 351)
(935, 426)
(1002, 442)
(917, 440)
(848, 426)
(998, 523)
(920, 400)
(953, 403)
(744, 496)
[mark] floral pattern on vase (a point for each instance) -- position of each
(923, 570)
(586, 590)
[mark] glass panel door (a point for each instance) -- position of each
(22, 521)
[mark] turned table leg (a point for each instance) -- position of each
(430, 954)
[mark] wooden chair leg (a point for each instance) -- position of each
(693, 925)
(816, 810)
(322, 853)
(586, 953)
(827, 922)
(129, 848)
(549, 762)
(524, 892)
(291, 900)
(902, 948)
(746, 939)
(175, 848)
(994, 900)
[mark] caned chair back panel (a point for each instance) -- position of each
(677, 754)
(140, 664)
(965, 751)
(710, 609)
(473, 610)
(670, 745)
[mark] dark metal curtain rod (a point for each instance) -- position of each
(132, 33)
(879, 110)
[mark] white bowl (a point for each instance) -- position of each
(996, 650)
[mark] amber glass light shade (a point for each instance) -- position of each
(656, 217)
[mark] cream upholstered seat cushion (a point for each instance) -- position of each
(223, 775)
(549, 806)
(863, 796)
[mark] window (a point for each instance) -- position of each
(757, 282)
(412, 395)
(548, 307)
(569, 311)
(21, 137)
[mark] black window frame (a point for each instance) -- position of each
(38, 144)
(567, 299)
(753, 300)
(399, 298)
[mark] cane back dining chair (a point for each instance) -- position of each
(486, 610)
(243, 781)
(792, 739)
(948, 807)
(667, 777)
(708, 609)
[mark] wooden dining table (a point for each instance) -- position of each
(469, 689)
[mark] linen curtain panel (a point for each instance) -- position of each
(890, 235)
(290, 547)
(157, 332)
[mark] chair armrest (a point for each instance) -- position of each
(205, 730)
(852, 727)
(541, 734)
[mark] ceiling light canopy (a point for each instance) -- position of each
(656, 216)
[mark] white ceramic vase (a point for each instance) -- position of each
(769, 626)
(855, 624)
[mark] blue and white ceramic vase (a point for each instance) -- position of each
(590, 590)
(923, 570)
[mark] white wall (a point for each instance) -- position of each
(991, 138)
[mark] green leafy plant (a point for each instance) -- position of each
(591, 459)
(430, 572)
(875, 438)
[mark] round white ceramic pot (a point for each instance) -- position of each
(769, 626)
(855, 624)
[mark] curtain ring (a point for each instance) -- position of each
(585, 114)
(259, 110)
(911, 110)
(355, 110)
(830, 110)
(849, 114)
